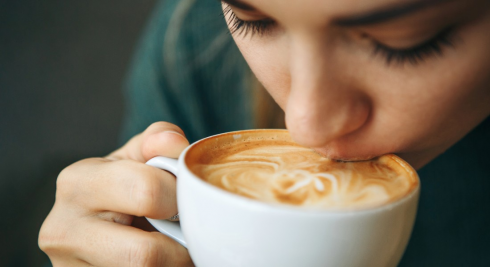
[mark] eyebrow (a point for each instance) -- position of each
(388, 13)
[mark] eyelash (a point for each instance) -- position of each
(413, 55)
(243, 27)
(418, 53)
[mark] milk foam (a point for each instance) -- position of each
(294, 175)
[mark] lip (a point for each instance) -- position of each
(334, 154)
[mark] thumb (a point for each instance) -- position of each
(159, 139)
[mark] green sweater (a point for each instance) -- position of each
(177, 76)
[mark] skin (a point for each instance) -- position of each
(97, 216)
(339, 98)
(351, 105)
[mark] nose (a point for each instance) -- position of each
(323, 104)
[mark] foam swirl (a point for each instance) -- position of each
(293, 175)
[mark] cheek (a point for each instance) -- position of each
(268, 58)
(437, 102)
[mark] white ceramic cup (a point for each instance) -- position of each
(221, 229)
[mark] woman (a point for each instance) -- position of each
(355, 80)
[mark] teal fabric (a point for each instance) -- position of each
(209, 96)
(187, 84)
(453, 221)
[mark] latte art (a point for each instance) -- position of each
(286, 173)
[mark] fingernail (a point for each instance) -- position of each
(174, 132)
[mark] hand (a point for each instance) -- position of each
(99, 201)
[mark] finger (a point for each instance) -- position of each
(160, 139)
(123, 186)
(104, 243)
(54, 239)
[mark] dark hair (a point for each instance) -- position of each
(186, 62)
(267, 114)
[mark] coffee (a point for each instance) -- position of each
(270, 167)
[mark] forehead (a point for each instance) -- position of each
(322, 11)
(327, 7)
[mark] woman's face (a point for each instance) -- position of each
(358, 79)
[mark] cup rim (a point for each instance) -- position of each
(284, 208)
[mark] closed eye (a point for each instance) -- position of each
(244, 27)
(418, 53)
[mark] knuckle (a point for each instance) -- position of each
(51, 240)
(68, 180)
(146, 193)
(144, 253)
(65, 183)
(45, 241)
(146, 198)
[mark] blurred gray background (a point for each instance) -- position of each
(62, 65)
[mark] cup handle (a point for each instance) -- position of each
(168, 228)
